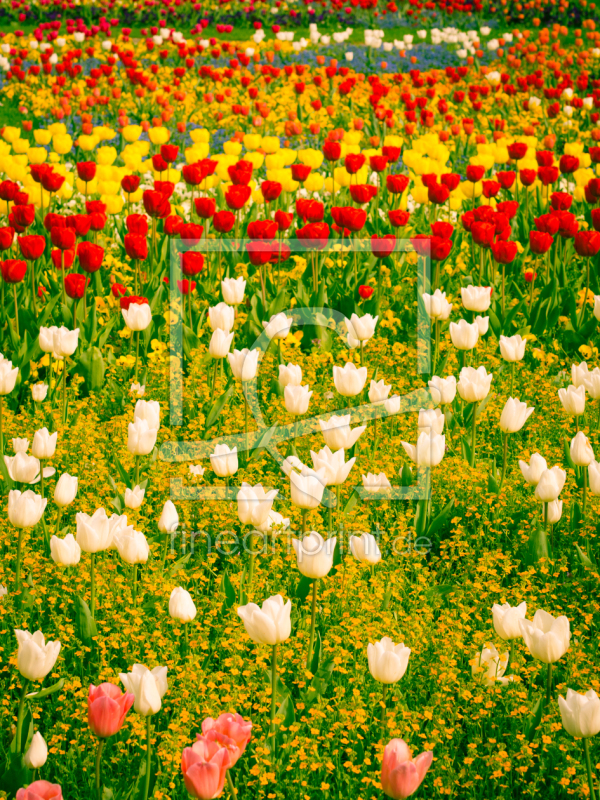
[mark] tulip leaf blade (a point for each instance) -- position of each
(228, 591)
(261, 445)
(441, 518)
(287, 712)
(538, 545)
(320, 681)
(218, 406)
(56, 687)
(534, 720)
(85, 625)
(584, 558)
(303, 588)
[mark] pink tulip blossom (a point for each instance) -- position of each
(107, 708)
(228, 730)
(204, 767)
(40, 790)
(400, 775)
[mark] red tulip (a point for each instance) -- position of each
(169, 152)
(191, 232)
(354, 162)
(192, 263)
(138, 224)
(365, 292)
(283, 220)
(8, 191)
(332, 150)
(22, 216)
(349, 217)
(398, 218)
(7, 236)
(483, 233)
(156, 204)
(596, 218)
(310, 210)
(508, 207)
(159, 164)
(475, 173)
(300, 172)
(63, 238)
(451, 180)
(86, 171)
(587, 243)
(172, 224)
(397, 184)
(517, 151)
(506, 179)
(40, 790)
(438, 193)
(259, 252)
(192, 174)
(440, 248)
(186, 286)
(504, 252)
(271, 190)
(63, 258)
(237, 196)
(80, 223)
(136, 246)
(31, 247)
(90, 256)
(52, 181)
(262, 229)
(383, 246)
(13, 270)
(205, 207)
(391, 153)
(568, 164)
(107, 709)
(130, 183)
(362, 193)
(548, 175)
(315, 234)
(568, 225)
(544, 158)
(75, 285)
(378, 163)
(490, 188)
(527, 176)
(223, 221)
(240, 174)
(561, 201)
(442, 229)
(540, 242)
(118, 290)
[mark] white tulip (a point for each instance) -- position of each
(65, 342)
(514, 415)
(94, 533)
(233, 290)
(65, 490)
(333, 465)
(550, 485)
(65, 552)
(573, 400)
(512, 348)
(134, 497)
(37, 754)
(579, 374)
(220, 342)
(169, 518)
(592, 384)
(307, 488)
(148, 410)
(296, 399)
(474, 384)
(364, 548)
(387, 661)
(547, 638)
(141, 438)
(314, 555)
(137, 317)
(376, 483)
(221, 316)
(35, 657)
(361, 328)
(25, 509)
(378, 392)
(491, 664)
(443, 390)
(436, 305)
(581, 450)
(270, 624)
(554, 511)
(532, 472)
(22, 468)
(132, 545)
(431, 419)
(429, 450)
(147, 686)
(580, 713)
(244, 364)
(44, 443)
(254, 504)
(506, 620)
(39, 392)
(290, 375)
(279, 326)
(349, 380)
(46, 338)
(476, 298)
(181, 605)
(337, 432)
(224, 461)
(20, 445)
(464, 335)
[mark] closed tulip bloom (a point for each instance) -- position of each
(35, 657)
(290, 375)
(221, 316)
(244, 364)
(132, 545)
(204, 766)
(514, 415)
(550, 485)
(254, 504)
(107, 709)
(8, 377)
(25, 509)
(65, 342)
(364, 548)
(40, 790)
(532, 472)
(506, 620)
(581, 450)
(314, 555)
(338, 434)
(65, 552)
(137, 316)
(233, 290)
(443, 390)
(436, 305)
(224, 461)
(429, 450)
(220, 342)
(270, 624)
(134, 497)
(141, 438)
(483, 324)
(169, 518)
(335, 469)
(230, 730)
(22, 468)
(431, 419)
(594, 478)
(512, 348)
(307, 488)
(592, 384)
(278, 327)
(476, 298)
(387, 661)
(547, 638)
(37, 754)
(401, 776)
(392, 405)
(464, 335)
(44, 443)
(65, 490)
(349, 380)
(579, 374)
(296, 399)
(148, 410)
(39, 392)
(361, 328)
(474, 384)
(376, 483)
(580, 713)
(378, 392)
(20, 444)
(573, 400)
(181, 605)
(490, 664)
(94, 533)
(46, 338)
(554, 511)
(147, 686)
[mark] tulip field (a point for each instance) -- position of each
(299, 400)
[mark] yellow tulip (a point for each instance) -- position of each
(232, 148)
(106, 156)
(20, 161)
(92, 186)
(200, 136)
(471, 190)
(310, 157)
(58, 129)
(114, 203)
(159, 135)
(42, 137)
(62, 143)
(391, 140)
(108, 187)
(341, 176)
(103, 133)
(420, 194)
(257, 197)
(20, 145)
(252, 141)
(256, 159)
(288, 183)
(275, 161)
(583, 176)
(11, 134)
(352, 137)
(270, 144)
(289, 156)
(314, 182)
(131, 133)
(136, 197)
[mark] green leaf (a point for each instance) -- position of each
(92, 368)
(261, 444)
(353, 501)
(218, 406)
(538, 545)
(56, 687)
(287, 713)
(441, 518)
(85, 626)
(534, 720)
(387, 596)
(584, 558)
(303, 589)
(179, 564)
(228, 591)
(320, 682)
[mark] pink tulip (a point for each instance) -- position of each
(40, 790)
(107, 708)
(228, 730)
(400, 775)
(204, 768)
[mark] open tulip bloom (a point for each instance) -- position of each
(547, 638)
(514, 415)
(580, 716)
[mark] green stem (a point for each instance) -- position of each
(2, 425)
(58, 519)
(64, 383)
(504, 459)
(19, 735)
(473, 435)
(585, 481)
(512, 378)
(549, 684)
(148, 757)
(312, 623)
(133, 584)
(92, 584)
(383, 709)
(19, 556)
(511, 656)
(137, 353)
(304, 515)
(588, 763)
(273, 696)
(98, 760)
(137, 470)
(232, 788)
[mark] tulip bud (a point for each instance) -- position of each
(506, 620)
(290, 375)
(580, 713)
(387, 661)
(573, 400)
(148, 410)
(37, 755)
(278, 327)
(364, 548)
(169, 518)
(65, 552)
(512, 348)
(134, 497)
(141, 438)
(244, 364)
(181, 605)
(581, 450)
(361, 328)
(147, 686)
(233, 290)
(65, 490)
(550, 485)
(39, 392)
(25, 509)
(224, 461)
(514, 415)
(314, 555)
(8, 377)
(221, 316)
(220, 342)
(254, 504)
